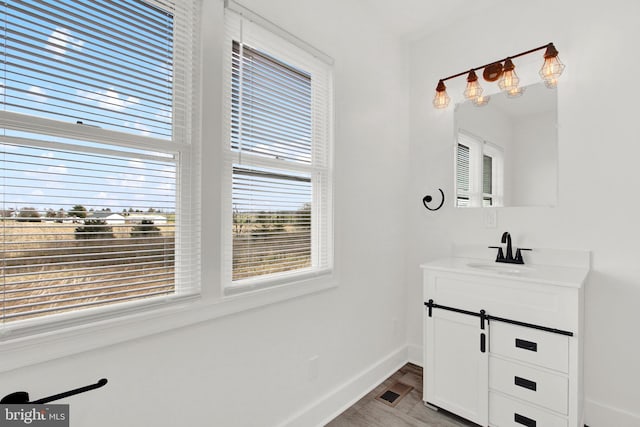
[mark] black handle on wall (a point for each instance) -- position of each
(427, 199)
(21, 397)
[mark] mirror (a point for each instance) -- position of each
(506, 152)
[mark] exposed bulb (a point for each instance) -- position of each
(514, 93)
(481, 101)
(509, 80)
(473, 90)
(552, 67)
(441, 99)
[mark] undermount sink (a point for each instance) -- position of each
(499, 268)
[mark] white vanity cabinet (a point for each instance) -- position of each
(503, 346)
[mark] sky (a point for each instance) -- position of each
(55, 60)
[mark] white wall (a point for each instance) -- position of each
(534, 161)
(598, 162)
(251, 368)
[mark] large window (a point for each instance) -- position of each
(479, 172)
(278, 158)
(97, 154)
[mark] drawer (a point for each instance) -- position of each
(528, 383)
(530, 345)
(506, 412)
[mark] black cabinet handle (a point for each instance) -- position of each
(483, 343)
(525, 383)
(521, 419)
(526, 345)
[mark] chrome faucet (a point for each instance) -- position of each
(509, 258)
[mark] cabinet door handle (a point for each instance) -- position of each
(483, 343)
(521, 419)
(526, 345)
(525, 383)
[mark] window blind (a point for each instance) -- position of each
(100, 175)
(84, 228)
(101, 63)
(278, 155)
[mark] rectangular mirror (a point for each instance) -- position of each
(506, 152)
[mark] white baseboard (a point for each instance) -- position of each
(601, 415)
(332, 404)
(415, 355)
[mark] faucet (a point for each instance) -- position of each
(506, 238)
(509, 258)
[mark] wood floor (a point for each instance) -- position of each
(409, 410)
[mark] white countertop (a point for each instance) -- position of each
(550, 274)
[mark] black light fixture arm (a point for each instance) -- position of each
(464, 73)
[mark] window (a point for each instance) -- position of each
(479, 172)
(99, 177)
(278, 155)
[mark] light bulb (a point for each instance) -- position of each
(509, 80)
(473, 89)
(552, 67)
(441, 99)
(481, 101)
(514, 93)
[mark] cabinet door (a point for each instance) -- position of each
(456, 368)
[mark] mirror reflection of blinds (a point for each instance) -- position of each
(487, 178)
(462, 161)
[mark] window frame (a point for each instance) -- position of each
(184, 146)
(243, 26)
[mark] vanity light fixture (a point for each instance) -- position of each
(502, 71)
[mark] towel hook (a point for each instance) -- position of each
(427, 199)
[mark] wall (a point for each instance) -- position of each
(534, 165)
(252, 368)
(598, 151)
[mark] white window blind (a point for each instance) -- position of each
(279, 103)
(479, 172)
(98, 153)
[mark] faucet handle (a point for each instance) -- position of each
(518, 257)
(500, 256)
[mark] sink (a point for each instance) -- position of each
(499, 268)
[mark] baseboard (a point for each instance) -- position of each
(601, 415)
(332, 404)
(415, 355)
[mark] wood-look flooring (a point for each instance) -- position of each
(409, 411)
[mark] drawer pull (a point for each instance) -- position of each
(526, 345)
(521, 419)
(522, 382)
(483, 343)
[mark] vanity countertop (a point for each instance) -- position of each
(550, 274)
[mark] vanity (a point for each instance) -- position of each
(503, 343)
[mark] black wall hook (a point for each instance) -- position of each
(427, 199)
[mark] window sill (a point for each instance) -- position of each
(49, 345)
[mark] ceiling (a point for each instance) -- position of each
(413, 19)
